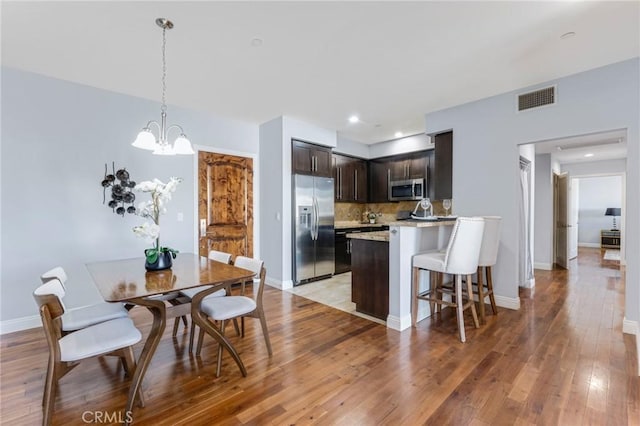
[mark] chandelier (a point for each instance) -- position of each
(146, 139)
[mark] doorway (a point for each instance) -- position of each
(561, 219)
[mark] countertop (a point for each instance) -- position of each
(423, 223)
(372, 236)
(354, 224)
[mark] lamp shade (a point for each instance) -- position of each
(145, 140)
(182, 146)
(612, 211)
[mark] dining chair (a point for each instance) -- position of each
(460, 258)
(114, 337)
(187, 295)
(84, 316)
(221, 309)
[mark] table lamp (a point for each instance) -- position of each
(613, 211)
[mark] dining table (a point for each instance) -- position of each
(127, 281)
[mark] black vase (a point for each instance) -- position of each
(164, 261)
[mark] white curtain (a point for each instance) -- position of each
(526, 262)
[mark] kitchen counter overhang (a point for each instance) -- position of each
(371, 236)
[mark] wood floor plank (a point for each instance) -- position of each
(560, 360)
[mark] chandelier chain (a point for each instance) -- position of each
(164, 69)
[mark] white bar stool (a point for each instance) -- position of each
(460, 258)
(488, 258)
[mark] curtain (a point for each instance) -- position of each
(526, 262)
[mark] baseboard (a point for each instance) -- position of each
(397, 323)
(19, 324)
(508, 302)
(544, 266)
(630, 327)
(530, 283)
(279, 284)
(592, 245)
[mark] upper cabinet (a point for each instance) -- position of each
(350, 179)
(310, 159)
(443, 166)
(397, 167)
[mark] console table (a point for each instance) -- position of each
(610, 238)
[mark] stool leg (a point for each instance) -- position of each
(490, 291)
(480, 274)
(437, 279)
(459, 306)
(414, 295)
(471, 302)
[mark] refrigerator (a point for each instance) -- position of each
(313, 230)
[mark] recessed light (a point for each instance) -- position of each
(353, 119)
(256, 42)
(590, 154)
(398, 134)
(567, 35)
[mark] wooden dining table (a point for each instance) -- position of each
(127, 281)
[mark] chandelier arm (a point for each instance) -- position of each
(148, 126)
(176, 126)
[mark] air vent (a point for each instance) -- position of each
(542, 97)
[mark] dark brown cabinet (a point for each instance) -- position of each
(370, 277)
(350, 179)
(310, 159)
(399, 167)
(443, 166)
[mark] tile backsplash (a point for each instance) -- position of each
(348, 212)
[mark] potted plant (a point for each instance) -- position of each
(372, 217)
(157, 257)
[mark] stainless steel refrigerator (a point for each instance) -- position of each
(313, 231)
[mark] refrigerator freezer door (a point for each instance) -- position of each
(325, 242)
(304, 266)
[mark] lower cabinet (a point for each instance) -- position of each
(343, 246)
(370, 277)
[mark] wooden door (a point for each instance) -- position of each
(561, 185)
(225, 207)
(443, 168)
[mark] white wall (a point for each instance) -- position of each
(529, 152)
(543, 247)
(486, 135)
(351, 147)
(596, 194)
(412, 143)
(56, 138)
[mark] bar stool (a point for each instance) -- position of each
(460, 258)
(488, 258)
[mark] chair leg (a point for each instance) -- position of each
(414, 295)
(459, 307)
(265, 332)
(49, 393)
(192, 334)
(219, 366)
(200, 340)
(494, 308)
(176, 323)
(129, 362)
(235, 325)
(480, 274)
(471, 302)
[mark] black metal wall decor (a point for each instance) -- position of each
(121, 190)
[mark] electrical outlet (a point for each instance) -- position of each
(203, 227)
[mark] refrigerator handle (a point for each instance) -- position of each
(314, 219)
(317, 224)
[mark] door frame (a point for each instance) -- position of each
(556, 212)
(256, 193)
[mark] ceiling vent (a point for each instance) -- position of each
(542, 97)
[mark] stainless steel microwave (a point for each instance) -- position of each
(412, 189)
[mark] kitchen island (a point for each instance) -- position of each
(381, 268)
(407, 238)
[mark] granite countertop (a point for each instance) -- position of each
(354, 224)
(372, 236)
(424, 223)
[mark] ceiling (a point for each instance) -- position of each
(609, 145)
(319, 62)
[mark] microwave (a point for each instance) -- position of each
(412, 189)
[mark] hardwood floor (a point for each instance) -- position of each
(560, 360)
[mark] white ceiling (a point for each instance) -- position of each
(609, 145)
(319, 62)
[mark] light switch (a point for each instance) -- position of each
(180, 217)
(203, 227)
(278, 216)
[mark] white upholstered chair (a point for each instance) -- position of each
(187, 295)
(114, 337)
(488, 258)
(222, 309)
(460, 258)
(81, 317)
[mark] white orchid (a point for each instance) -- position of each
(152, 209)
